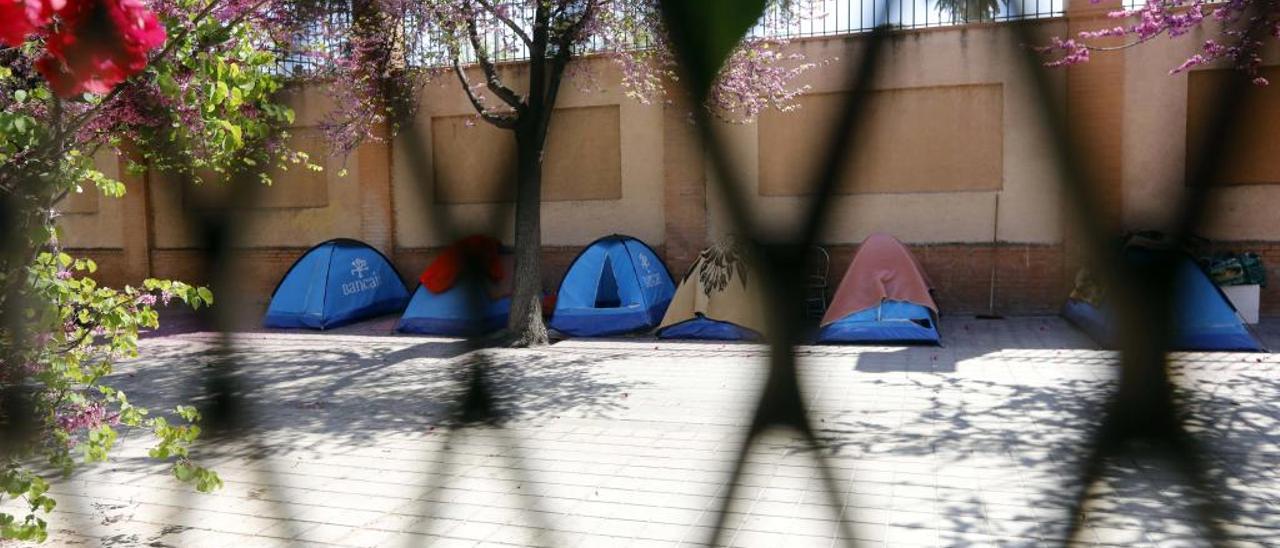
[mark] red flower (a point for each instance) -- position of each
(20, 18)
(99, 44)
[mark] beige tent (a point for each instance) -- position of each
(718, 299)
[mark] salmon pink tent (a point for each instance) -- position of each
(885, 297)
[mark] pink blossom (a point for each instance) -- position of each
(88, 416)
(1175, 18)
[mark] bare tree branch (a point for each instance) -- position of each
(506, 21)
(491, 79)
(504, 122)
(564, 48)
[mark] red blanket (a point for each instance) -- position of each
(478, 249)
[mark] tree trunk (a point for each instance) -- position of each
(525, 323)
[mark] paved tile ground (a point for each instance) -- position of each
(629, 443)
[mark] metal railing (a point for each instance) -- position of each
(815, 18)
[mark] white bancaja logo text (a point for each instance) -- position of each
(361, 283)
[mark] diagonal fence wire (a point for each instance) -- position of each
(1142, 411)
(783, 263)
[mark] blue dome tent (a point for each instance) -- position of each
(616, 285)
(1203, 318)
(461, 307)
(335, 283)
(884, 298)
(462, 311)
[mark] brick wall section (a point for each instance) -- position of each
(1028, 278)
(1095, 110)
(684, 193)
(256, 271)
(1095, 106)
(113, 268)
(137, 225)
(377, 216)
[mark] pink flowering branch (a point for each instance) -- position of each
(1243, 24)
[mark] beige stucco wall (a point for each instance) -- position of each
(1030, 202)
(90, 220)
(1155, 149)
(639, 211)
(305, 208)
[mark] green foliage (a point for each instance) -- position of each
(18, 483)
(77, 329)
(207, 108)
(221, 103)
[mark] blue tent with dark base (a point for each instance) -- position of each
(615, 285)
(1203, 317)
(462, 311)
(890, 322)
(335, 283)
(452, 302)
(884, 298)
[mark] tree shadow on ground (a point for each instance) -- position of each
(358, 390)
(965, 337)
(1030, 436)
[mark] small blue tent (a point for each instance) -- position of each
(883, 298)
(616, 285)
(449, 302)
(464, 310)
(1203, 317)
(335, 283)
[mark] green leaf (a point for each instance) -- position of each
(706, 32)
(221, 92)
(205, 295)
(234, 130)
